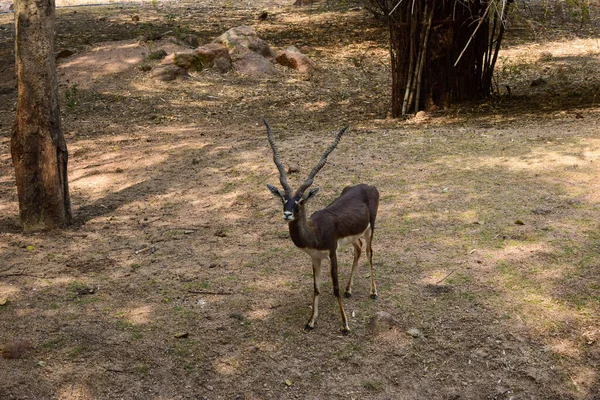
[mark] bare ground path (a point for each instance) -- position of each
(179, 279)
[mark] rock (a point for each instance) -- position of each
(307, 49)
(211, 52)
(381, 322)
(135, 18)
(249, 63)
(191, 41)
(293, 168)
(168, 73)
(157, 55)
(144, 67)
(421, 115)
(538, 82)
(15, 349)
(188, 60)
(85, 290)
(223, 64)
(296, 60)
(64, 53)
(247, 37)
(304, 2)
(414, 332)
(221, 233)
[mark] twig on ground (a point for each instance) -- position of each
(7, 269)
(446, 277)
(22, 273)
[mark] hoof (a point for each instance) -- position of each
(309, 328)
(345, 331)
(347, 295)
(374, 296)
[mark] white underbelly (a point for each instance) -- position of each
(314, 253)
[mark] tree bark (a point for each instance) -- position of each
(38, 148)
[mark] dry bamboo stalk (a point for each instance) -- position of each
(410, 66)
(413, 81)
(423, 56)
(483, 17)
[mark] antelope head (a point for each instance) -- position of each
(292, 201)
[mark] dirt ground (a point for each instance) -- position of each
(178, 279)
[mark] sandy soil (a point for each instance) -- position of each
(179, 280)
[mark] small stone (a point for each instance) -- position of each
(41, 363)
(83, 291)
(145, 67)
(181, 335)
(135, 18)
(3, 301)
(414, 332)
(519, 222)
(420, 115)
(293, 168)
(221, 233)
(382, 321)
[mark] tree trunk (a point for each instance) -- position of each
(38, 147)
(427, 37)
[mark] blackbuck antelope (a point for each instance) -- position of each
(345, 221)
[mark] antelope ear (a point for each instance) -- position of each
(311, 193)
(276, 192)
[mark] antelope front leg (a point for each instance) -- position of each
(336, 291)
(317, 290)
